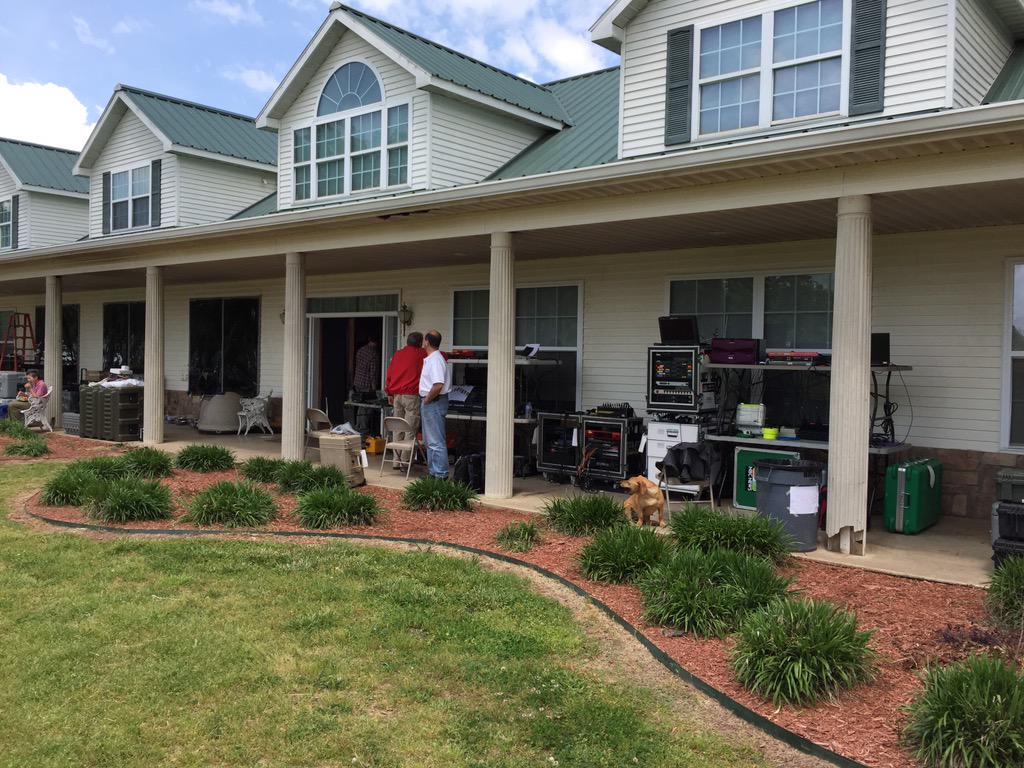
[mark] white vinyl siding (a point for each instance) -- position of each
(213, 191)
(7, 190)
(55, 219)
(982, 46)
(915, 60)
(132, 144)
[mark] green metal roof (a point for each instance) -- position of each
(1009, 86)
(460, 69)
(207, 129)
(39, 166)
(592, 101)
(260, 208)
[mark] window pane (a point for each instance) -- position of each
(352, 86)
(567, 328)
(739, 294)
(808, 30)
(365, 132)
(682, 297)
(710, 296)
(1017, 331)
(140, 181)
(463, 304)
(330, 139)
(479, 336)
(330, 178)
(526, 302)
(721, 103)
(1017, 402)
(812, 330)
(547, 302)
(302, 185)
(779, 331)
(140, 212)
(739, 326)
(807, 89)
(779, 293)
(398, 124)
(119, 215)
(730, 47)
(119, 186)
(398, 166)
(526, 330)
(5, 242)
(300, 153)
(568, 301)
(365, 171)
(814, 292)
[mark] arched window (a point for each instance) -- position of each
(353, 86)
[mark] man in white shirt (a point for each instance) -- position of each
(435, 384)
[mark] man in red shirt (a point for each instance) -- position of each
(402, 383)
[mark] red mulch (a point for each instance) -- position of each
(911, 618)
(62, 448)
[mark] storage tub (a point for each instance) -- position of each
(1011, 521)
(1010, 485)
(1004, 549)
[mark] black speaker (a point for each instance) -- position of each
(880, 349)
(678, 330)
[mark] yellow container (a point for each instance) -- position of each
(375, 445)
(770, 433)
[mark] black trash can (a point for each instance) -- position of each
(796, 510)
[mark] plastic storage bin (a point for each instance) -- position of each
(913, 495)
(1011, 521)
(1004, 549)
(788, 492)
(71, 423)
(1010, 484)
(343, 452)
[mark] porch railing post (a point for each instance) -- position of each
(293, 398)
(500, 369)
(153, 358)
(850, 394)
(53, 344)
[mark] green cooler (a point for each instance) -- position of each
(913, 495)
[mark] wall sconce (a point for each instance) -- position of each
(404, 314)
(282, 317)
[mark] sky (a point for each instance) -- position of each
(60, 61)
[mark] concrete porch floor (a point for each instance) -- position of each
(956, 550)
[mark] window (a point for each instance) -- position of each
(1014, 386)
(783, 65)
(470, 322)
(124, 335)
(130, 198)
(69, 335)
(301, 158)
(723, 307)
(223, 351)
(5, 228)
(369, 303)
(798, 312)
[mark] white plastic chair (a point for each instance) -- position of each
(254, 413)
(399, 448)
(38, 411)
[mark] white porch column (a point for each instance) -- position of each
(850, 408)
(53, 345)
(293, 398)
(500, 368)
(153, 359)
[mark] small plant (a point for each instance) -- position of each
(1005, 599)
(518, 536)
(30, 447)
(796, 651)
(104, 467)
(708, 593)
(72, 486)
(233, 505)
(332, 507)
(436, 494)
(622, 553)
(128, 499)
(205, 458)
(707, 529)
(584, 515)
(15, 429)
(147, 462)
(261, 469)
(970, 714)
(291, 475)
(322, 476)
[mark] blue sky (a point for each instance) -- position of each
(59, 61)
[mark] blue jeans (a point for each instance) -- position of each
(432, 419)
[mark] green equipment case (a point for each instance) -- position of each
(913, 495)
(744, 491)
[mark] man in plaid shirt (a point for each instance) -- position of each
(366, 380)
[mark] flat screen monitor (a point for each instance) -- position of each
(678, 329)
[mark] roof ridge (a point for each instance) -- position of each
(184, 102)
(581, 75)
(436, 44)
(37, 145)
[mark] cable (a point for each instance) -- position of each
(910, 402)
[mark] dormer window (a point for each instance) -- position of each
(5, 223)
(358, 141)
(130, 198)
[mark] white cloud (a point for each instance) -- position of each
(130, 26)
(310, 6)
(566, 51)
(255, 79)
(241, 12)
(45, 113)
(87, 37)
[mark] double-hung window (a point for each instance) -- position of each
(5, 230)
(1014, 362)
(130, 198)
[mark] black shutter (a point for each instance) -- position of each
(154, 190)
(867, 57)
(678, 85)
(14, 222)
(106, 203)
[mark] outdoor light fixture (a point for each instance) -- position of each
(404, 314)
(282, 317)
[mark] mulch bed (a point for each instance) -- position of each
(62, 448)
(915, 622)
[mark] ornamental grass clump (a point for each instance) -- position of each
(708, 593)
(29, 447)
(204, 458)
(623, 553)
(518, 536)
(798, 651)
(104, 468)
(322, 476)
(73, 486)
(585, 514)
(130, 499)
(232, 505)
(336, 506)
(1005, 599)
(151, 463)
(706, 529)
(261, 469)
(291, 475)
(970, 714)
(15, 429)
(436, 494)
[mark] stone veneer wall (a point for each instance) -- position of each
(969, 478)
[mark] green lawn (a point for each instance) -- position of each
(234, 653)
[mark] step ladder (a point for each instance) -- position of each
(19, 344)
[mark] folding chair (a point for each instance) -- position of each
(409, 447)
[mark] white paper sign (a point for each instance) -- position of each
(363, 459)
(575, 438)
(803, 500)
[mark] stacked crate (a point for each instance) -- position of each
(1009, 516)
(121, 414)
(88, 406)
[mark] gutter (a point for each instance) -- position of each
(987, 118)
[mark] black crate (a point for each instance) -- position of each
(1010, 485)
(1011, 521)
(122, 432)
(119, 412)
(1004, 549)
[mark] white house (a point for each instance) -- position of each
(800, 172)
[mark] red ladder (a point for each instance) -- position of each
(19, 342)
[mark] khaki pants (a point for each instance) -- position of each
(16, 410)
(408, 407)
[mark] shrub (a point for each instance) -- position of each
(72, 486)
(518, 536)
(1005, 599)
(436, 494)
(104, 467)
(583, 515)
(15, 429)
(707, 529)
(291, 475)
(796, 651)
(205, 458)
(30, 447)
(129, 499)
(261, 469)
(322, 476)
(969, 715)
(147, 462)
(708, 593)
(234, 505)
(622, 553)
(336, 506)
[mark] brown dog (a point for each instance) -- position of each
(645, 499)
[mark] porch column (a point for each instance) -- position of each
(500, 368)
(153, 359)
(849, 411)
(293, 398)
(53, 345)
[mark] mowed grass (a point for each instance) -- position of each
(142, 652)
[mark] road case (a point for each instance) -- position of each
(913, 495)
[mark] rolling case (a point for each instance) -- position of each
(913, 495)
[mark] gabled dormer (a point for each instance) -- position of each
(41, 201)
(371, 109)
(157, 161)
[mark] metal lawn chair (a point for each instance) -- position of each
(254, 413)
